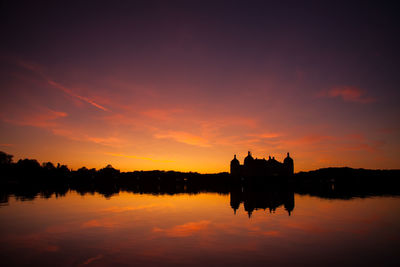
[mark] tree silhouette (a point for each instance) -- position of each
(5, 159)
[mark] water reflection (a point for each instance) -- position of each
(265, 198)
(254, 195)
(199, 229)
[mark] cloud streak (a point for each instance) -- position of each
(69, 92)
(101, 223)
(348, 94)
(138, 157)
(43, 118)
(7, 145)
(162, 114)
(152, 206)
(90, 260)
(184, 230)
(39, 71)
(77, 136)
(184, 137)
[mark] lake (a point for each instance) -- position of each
(214, 229)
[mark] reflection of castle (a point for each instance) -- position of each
(262, 167)
(261, 199)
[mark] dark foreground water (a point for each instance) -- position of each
(199, 229)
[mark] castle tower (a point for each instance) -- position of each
(235, 166)
(249, 159)
(288, 165)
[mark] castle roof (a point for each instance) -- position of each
(288, 159)
(235, 160)
(248, 158)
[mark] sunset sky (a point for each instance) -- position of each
(185, 85)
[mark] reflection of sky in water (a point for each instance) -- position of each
(197, 229)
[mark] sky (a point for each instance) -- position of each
(185, 85)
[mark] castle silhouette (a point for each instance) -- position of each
(262, 167)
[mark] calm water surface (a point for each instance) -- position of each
(200, 229)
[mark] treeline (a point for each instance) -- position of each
(346, 183)
(27, 178)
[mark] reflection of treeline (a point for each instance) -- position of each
(27, 178)
(347, 183)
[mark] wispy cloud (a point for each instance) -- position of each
(69, 92)
(90, 260)
(184, 137)
(313, 139)
(78, 136)
(31, 66)
(266, 135)
(320, 142)
(102, 223)
(51, 120)
(40, 117)
(138, 157)
(38, 70)
(184, 230)
(117, 209)
(7, 145)
(162, 114)
(372, 146)
(348, 94)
